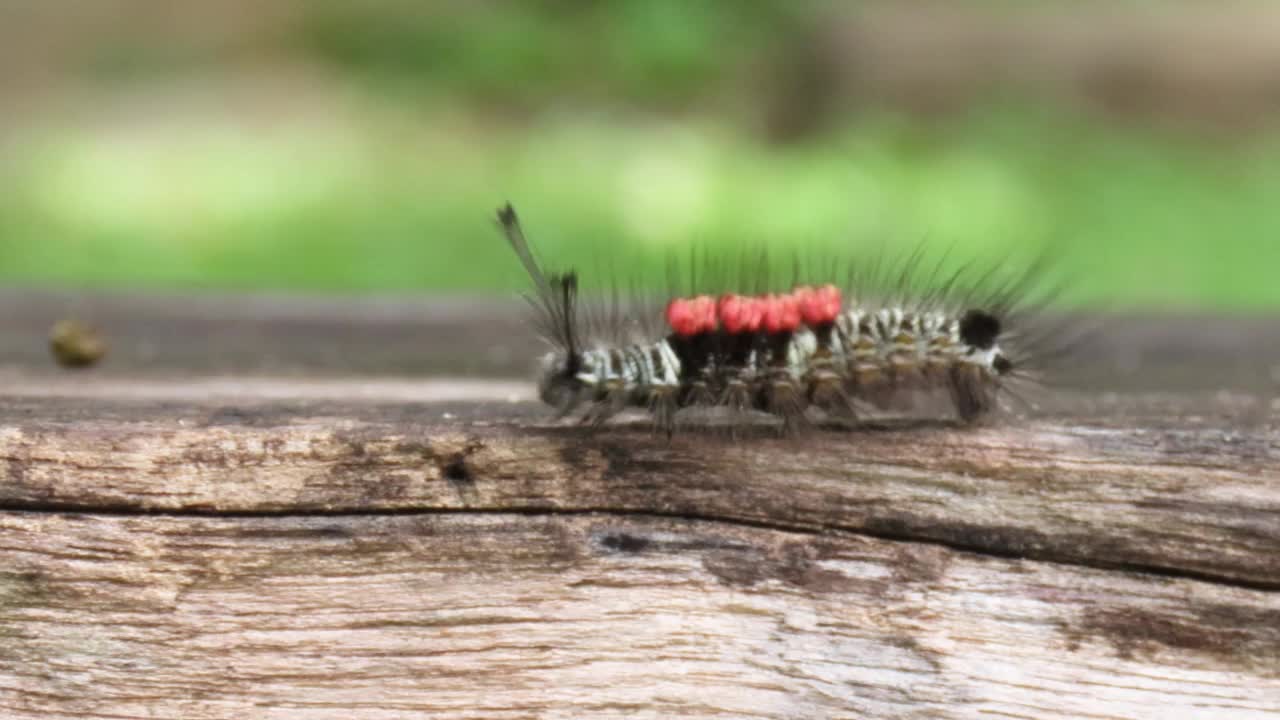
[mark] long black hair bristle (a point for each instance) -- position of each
(555, 299)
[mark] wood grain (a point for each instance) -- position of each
(258, 509)
(1176, 499)
(501, 616)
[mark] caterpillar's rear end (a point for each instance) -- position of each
(811, 352)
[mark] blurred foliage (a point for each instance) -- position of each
(617, 129)
(667, 52)
(1145, 219)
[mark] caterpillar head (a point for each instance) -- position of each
(558, 382)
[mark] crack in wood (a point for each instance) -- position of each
(221, 545)
(629, 544)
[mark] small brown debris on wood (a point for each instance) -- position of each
(75, 344)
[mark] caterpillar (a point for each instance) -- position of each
(794, 353)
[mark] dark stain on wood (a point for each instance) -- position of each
(1010, 540)
(796, 564)
(388, 486)
(455, 470)
(675, 538)
(459, 469)
(22, 588)
(920, 564)
(331, 531)
(16, 471)
(623, 542)
(933, 659)
(1247, 636)
(17, 486)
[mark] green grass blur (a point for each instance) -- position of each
(438, 124)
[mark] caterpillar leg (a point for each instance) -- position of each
(736, 396)
(829, 396)
(663, 408)
(972, 391)
(783, 398)
(873, 385)
(611, 403)
(736, 399)
(698, 394)
(569, 401)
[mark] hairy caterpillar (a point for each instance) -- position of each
(793, 351)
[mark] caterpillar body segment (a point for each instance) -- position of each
(807, 351)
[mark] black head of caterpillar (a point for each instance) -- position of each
(795, 353)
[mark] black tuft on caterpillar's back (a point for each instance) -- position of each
(799, 353)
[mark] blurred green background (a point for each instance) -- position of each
(362, 147)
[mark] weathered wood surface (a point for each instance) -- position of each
(184, 533)
(1181, 500)
(503, 616)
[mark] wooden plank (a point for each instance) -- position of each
(319, 509)
(1183, 499)
(521, 616)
